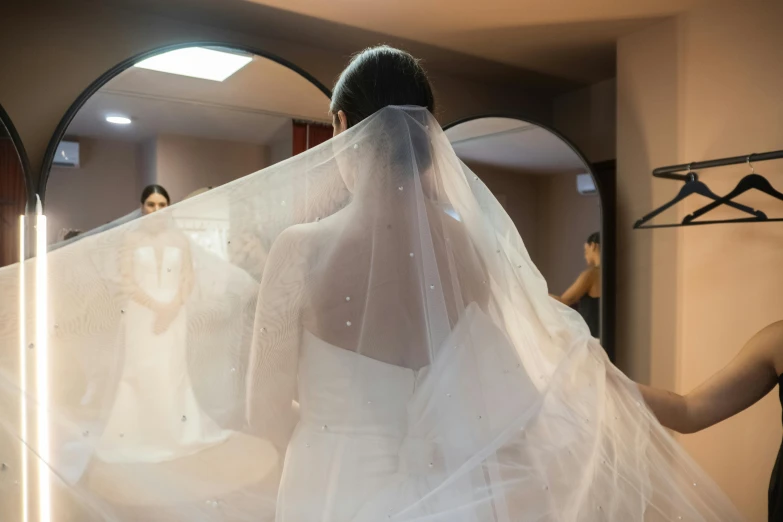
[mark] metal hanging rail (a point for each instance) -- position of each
(671, 171)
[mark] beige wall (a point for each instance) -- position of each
(703, 86)
(112, 175)
(588, 117)
(104, 187)
(552, 218)
(517, 193)
(56, 52)
(184, 164)
(281, 146)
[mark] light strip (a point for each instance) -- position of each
(42, 365)
(198, 62)
(23, 368)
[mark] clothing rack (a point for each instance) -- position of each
(686, 172)
(670, 172)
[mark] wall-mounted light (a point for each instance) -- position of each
(23, 370)
(42, 364)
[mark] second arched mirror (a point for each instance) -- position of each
(187, 119)
(549, 191)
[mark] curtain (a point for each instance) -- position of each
(12, 201)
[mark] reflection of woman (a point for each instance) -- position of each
(750, 376)
(154, 198)
(586, 290)
(155, 415)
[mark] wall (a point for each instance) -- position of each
(552, 218)
(587, 117)
(148, 153)
(647, 127)
(517, 193)
(54, 53)
(184, 164)
(112, 174)
(565, 219)
(281, 145)
(103, 188)
(702, 86)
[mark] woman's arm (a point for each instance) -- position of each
(578, 289)
(746, 379)
(277, 330)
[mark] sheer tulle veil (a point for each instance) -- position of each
(355, 334)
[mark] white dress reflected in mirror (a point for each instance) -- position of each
(156, 416)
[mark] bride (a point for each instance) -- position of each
(395, 353)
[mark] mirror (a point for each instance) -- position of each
(13, 192)
(549, 192)
(187, 119)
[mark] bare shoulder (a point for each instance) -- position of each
(590, 274)
(768, 344)
(295, 244)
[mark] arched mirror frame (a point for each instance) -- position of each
(603, 175)
(109, 75)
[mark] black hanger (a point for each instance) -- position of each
(751, 181)
(693, 186)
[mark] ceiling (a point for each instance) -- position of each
(513, 144)
(570, 41)
(251, 106)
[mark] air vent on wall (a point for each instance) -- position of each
(585, 185)
(67, 155)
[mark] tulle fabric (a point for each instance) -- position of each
(355, 334)
(108, 226)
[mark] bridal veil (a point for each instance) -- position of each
(368, 301)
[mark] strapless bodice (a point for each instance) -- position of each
(374, 437)
(344, 392)
(159, 281)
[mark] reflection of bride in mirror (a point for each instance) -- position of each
(155, 415)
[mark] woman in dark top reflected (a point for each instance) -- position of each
(586, 290)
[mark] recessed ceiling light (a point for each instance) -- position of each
(198, 62)
(118, 120)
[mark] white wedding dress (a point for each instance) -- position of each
(375, 439)
(155, 416)
(367, 429)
